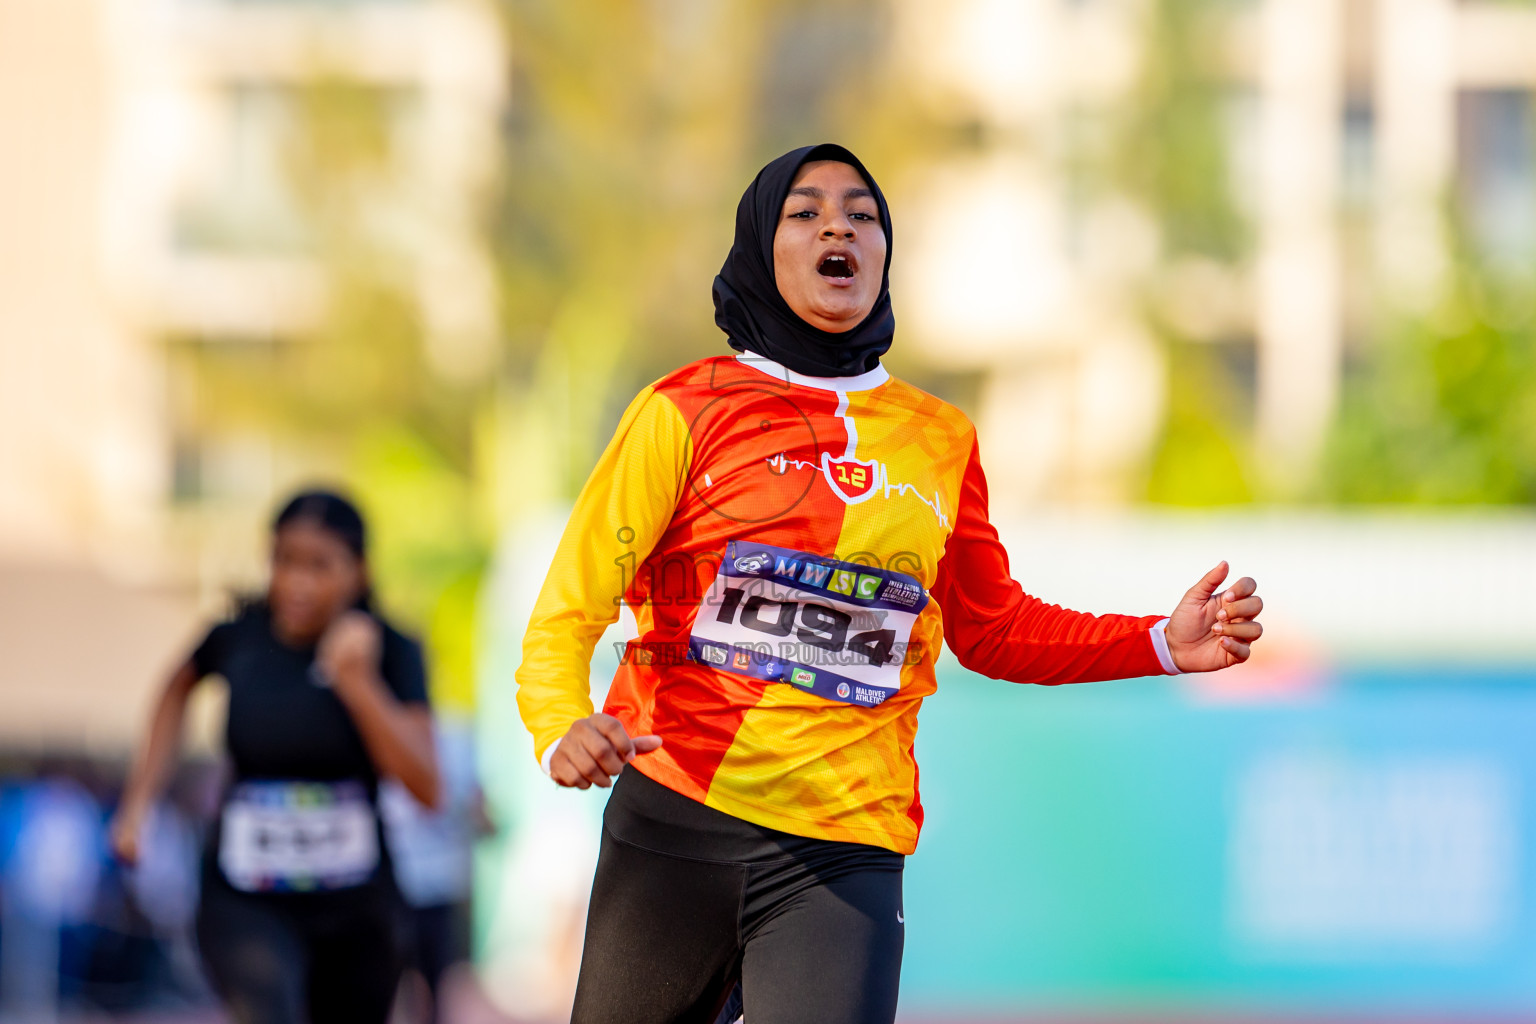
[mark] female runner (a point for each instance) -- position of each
(796, 531)
(300, 919)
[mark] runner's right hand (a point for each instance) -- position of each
(595, 749)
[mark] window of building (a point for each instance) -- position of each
(1496, 172)
(244, 198)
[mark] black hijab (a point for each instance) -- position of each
(748, 306)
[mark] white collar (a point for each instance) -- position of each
(866, 381)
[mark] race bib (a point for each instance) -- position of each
(298, 836)
(837, 629)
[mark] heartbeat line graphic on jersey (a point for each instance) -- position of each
(855, 480)
(852, 479)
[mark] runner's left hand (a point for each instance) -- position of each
(349, 650)
(1210, 631)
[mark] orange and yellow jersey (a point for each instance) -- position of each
(794, 550)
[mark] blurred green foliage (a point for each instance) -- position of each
(1200, 458)
(1174, 156)
(1442, 408)
(1175, 153)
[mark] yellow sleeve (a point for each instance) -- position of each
(619, 516)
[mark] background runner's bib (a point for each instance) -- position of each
(298, 836)
(837, 629)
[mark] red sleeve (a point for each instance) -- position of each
(998, 630)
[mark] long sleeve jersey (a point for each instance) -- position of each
(794, 550)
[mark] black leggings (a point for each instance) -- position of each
(688, 900)
(302, 958)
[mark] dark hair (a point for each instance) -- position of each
(338, 517)
(329, 511)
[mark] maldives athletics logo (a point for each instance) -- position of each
(851, 479)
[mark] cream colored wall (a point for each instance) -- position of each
(81, 466)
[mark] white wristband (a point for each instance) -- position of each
(549, 755)
(1160, 645)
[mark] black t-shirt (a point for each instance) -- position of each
(284, 723)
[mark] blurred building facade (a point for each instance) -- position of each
(1347, 128)
(147, 156)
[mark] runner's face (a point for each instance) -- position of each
(829, 249)
(315, 577)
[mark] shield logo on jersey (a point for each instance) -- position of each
(851, 479)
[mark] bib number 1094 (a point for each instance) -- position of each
(810, 622)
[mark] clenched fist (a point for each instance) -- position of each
(349, 650)
(595, 749)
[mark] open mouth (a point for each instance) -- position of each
(837, 265)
